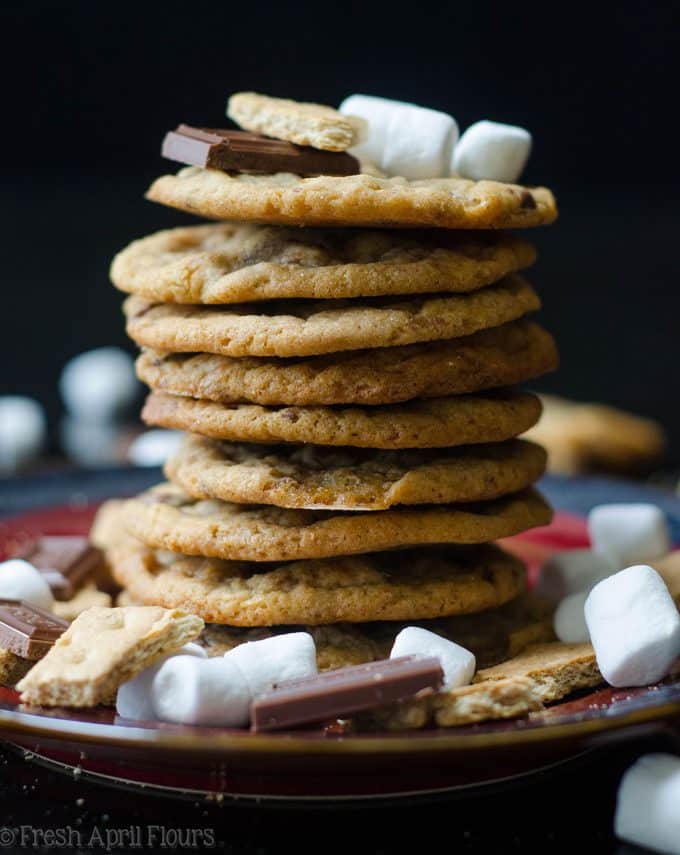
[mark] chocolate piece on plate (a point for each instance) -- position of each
(65, 562)
(27, 630)
(340, 693)
(240, 151)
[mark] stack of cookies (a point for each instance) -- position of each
(348, 392)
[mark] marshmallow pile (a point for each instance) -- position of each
(609, 596)
(187, 687)
(417, 143)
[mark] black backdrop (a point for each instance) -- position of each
(89, 89)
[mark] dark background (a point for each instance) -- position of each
(89, 89)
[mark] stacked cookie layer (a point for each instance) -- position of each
(350, 406)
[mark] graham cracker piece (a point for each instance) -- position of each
(88, 596)
(555, 669)
(13, 667)
(102, 649)
(298, 122)
(497, 699)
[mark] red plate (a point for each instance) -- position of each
(318, 764)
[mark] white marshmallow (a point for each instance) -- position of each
(571, 570)
(403, 139)
(99, 385)
(493, 151)
(629, 533)
(647, 804)
(189, 690)
(153, 447)
(457, 663)
(19, 580)
(273, 660)
(133, 699)
(92, 443)
(569, 621)
(634, 627)
(23, 431)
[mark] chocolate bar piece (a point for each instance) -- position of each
(65, 562)
(240, 151)
(27, 630)
(336, 694)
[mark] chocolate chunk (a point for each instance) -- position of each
(337, 694)
(27, 630)
(240, 151)
(65, 562)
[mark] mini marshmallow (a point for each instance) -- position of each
(492, 151)
(634, 627)
(629, 533)
(571, 570)
(457, 663)
(23, 431)
(19, 580)
(403, 139)
(99, 385)
(189, 690)
(569, 621)
(133, 699)
(647, 804)
(154, 447)
(273, 660)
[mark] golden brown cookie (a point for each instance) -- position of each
(414, 584)
(309, 328)
(355, 200)
(595, 437)
(492, 635)
(166, 518)
(241, 262)
(510, 354)
(298, 122)
(438, 423)
(318, 477)
(101, 650)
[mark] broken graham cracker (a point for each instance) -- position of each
(497, 699)
(13, 667)
(102, 649)
(302, 123)
(556, 669)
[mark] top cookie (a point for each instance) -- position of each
(354, 200)
(242, 262)
(302, 123)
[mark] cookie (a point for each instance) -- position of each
(102, 649)
(439, 423)
(166, 518)
(415, 584)
(594, 437)
(83, 600)
(511, 354)
(315, 477)
(294, 328)
(295, 121)
(493, 635)
(241, 263)
(355, 200)
(556, 669)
